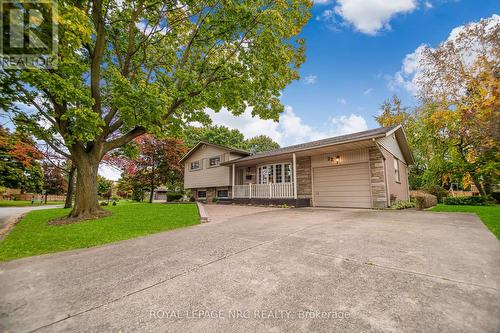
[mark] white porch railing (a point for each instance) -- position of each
(264, 191)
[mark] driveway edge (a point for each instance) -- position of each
(204, 217)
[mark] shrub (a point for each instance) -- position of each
(496, 196)
(114, 203)
(436, 190)
(103, 203)
(173, 196)
(192, 199)
(115, 198)
(403, 205)
(468, 201)
(137, 194)
(423, 200)
(215, 199)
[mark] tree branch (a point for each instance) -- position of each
(125, 138)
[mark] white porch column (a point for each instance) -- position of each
(294, 176)
(232, 189)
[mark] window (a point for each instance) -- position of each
(195, 165)
(222, 193)
(202, 194)
(263, 174)
(214, 161)
(275, 173)
(397, 178)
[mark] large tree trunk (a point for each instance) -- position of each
(152, 180)
(151, 194)
(86, 202)
(71, 186)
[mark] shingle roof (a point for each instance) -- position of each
(377, 132)
(231, 149)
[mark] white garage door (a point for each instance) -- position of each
(342, 186)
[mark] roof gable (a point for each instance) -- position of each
(201, 143)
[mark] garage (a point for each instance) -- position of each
(342, 186)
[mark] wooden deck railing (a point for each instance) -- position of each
(264, 191)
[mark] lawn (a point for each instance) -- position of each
(33, 236)
(25, 203)
(490, 215)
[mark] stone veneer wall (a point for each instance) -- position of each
(377, 178)
(304, 182)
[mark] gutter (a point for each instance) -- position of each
(255, 157)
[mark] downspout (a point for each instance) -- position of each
(232, 182)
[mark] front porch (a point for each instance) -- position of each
(266, 180)
(264, 191)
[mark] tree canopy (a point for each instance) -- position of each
(261, 143)
(455, 131)
(155, 163)
(130, 67)
(20, 162)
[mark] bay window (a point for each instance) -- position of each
(275, 173)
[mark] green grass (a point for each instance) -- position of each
(490, 215)
(33, 236)
(25, 203)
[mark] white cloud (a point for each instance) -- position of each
(310, 79)
(412, 69)
(290, 129)
(368, 16)
(368, 91)
(428, 5)
(342, 101)
(348, 124)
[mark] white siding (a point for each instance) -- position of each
(391, 145)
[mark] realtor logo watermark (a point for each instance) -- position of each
(29, 34)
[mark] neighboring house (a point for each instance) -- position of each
(366, 170)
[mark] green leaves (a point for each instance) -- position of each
(84, 124)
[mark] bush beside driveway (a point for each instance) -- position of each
(390, 270)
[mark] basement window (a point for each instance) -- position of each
(222, 193)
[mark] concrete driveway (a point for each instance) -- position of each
(283, 270)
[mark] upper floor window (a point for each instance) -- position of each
(397, 177)
(195, 165)
(214, 161)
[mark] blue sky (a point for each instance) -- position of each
(355, 54)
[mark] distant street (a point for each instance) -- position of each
(7, 213)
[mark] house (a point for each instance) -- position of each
(203, 173)
(367, 169)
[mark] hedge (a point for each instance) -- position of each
(173, 196)
(423, 200)
(467, 201)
